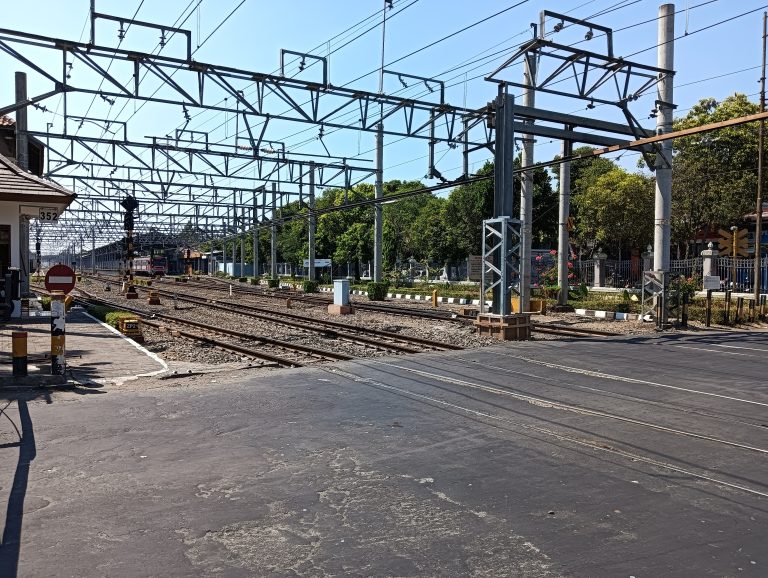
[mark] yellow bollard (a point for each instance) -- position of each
(19, 348)
(434, 298)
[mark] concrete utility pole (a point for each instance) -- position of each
(224, 245)
(760, 160)
(526, 191)
(664, 100)
(93, 250)
(273, 247)
(378, 213)
(312, 222)
(22, 160)
(255, 238)
(563, 244)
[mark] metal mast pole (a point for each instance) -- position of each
(563, 245)
(526, 189)
(93, 250)
(378, 214)
(312, 222)
(663, 201)
(760, 160)
(255, 238)
(273, 245)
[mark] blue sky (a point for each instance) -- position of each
(710, 62)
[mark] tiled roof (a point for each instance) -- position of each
(6, 121)
(19, 185)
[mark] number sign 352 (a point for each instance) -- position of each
(48, 214)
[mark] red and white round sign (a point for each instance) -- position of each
(60, 278)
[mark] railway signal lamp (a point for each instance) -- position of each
(130, 204)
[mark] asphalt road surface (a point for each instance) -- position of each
(635, 457)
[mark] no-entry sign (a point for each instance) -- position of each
(60, 278)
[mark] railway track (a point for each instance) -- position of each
(318, 299)
(569, 331)
(379, 339)
(375, 338)
(281, 353)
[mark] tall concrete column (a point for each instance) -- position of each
(526, 191)
(273, 246)
(312, 225)
(563, 244)
(255, 238)
(211, 269)
(378, 209)
(224, 247)
(22, 147)
(664, 99)
(22, 159)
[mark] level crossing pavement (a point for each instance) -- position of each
(590, 457)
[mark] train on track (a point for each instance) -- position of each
(150, 266)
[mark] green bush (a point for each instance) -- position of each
(242, 279)
(113, 317)
(253, 280)
(99, 311)
(309, 286)
(273, 283)
(377, 291)
(45, 301)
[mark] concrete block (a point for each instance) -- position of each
(340, 309)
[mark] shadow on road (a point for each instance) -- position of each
(11, 542)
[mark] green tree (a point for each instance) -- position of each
(466, 208)
(332, 226)
(616, 212)
(714, 174)
(398, 242)
(545, 206)
(355, 245)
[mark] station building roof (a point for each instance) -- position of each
(22, 186)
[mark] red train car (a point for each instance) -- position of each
(150, 266)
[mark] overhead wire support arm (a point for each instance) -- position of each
(428, 82)
(290, 90)
(121, 20)
(304, 56)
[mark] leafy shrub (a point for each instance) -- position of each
(99, 311)
(253, 280)
(113, 317)
(242, 279)
(325, 278)
(309, 286)
(273, 283)
(377, 291)
(45, 301)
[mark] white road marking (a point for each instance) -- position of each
(632, 380)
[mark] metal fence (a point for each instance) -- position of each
(738, 274)
(735, 273)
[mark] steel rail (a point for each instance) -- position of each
(330, 355)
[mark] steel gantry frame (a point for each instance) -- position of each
(593, 73)
(168, 183)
